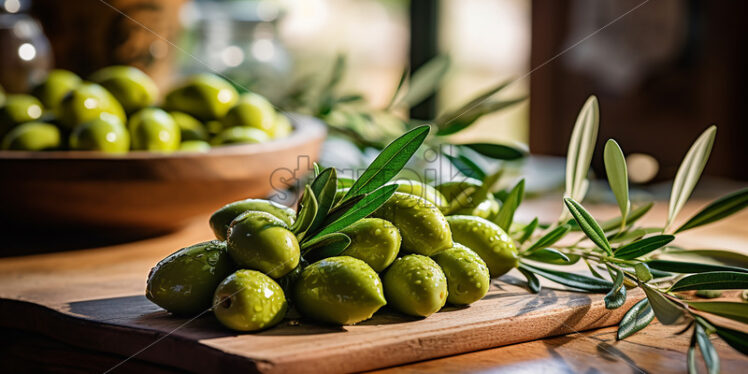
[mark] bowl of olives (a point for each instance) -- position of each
(113, 153)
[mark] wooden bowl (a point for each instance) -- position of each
(143, 193)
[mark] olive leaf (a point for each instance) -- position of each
(424, 81)
(528, 230)
(718, 209)
(472, 196)
(593, 271)
(506, 213)
(617, 295)
(689, 172)
(390, 161)
(550, 238)
(325, 246)
(642, 247)
(734, 338)
(324, 188)
(615, 168)
(737, 311)
(345, 182)
(707, 256)
(466, 166)
(714, 280)
(633, 216)
(708, 352)
(666, 311)
(532, 281)
(548, 255)
(499, 151)
(637, 318)
(588, 225)
(316, 169)
(635, 234)
(399, 87)
(581, 147)
(361, 209)
(573, 280)
(306, 214)
(690, 267)
(460, 119)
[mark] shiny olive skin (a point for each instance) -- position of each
(221, 218)
(261, 241)
(282, 127)
(415, 285)
(249, 301)
(189, 127)
(152, 129)
(184, 282)
(133, 88)
(252, 110)
(374, 241)
(467, 275)
(240, 135)
(203, 96)
(423, 227)
(340, 290)
(86, 102)
(55, 86)
(423, 191)
(485, 209)
(486, 239)
(17, 110)
(32, 136)
(194, 146)
(105, 135)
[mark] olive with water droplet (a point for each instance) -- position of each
(486, 239)
(249, 301)
(374, 241)
(183, 283)
(415, 285)
(422, 226)
(340, 290)
(261, 241)
(467, 275)
(221, 218)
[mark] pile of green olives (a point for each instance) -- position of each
(115, 111)
(407, 255)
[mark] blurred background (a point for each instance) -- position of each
(663, 70)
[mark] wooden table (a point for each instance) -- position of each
(656, 349)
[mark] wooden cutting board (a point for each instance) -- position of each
(93, 299)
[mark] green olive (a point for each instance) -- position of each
(374, 241)
(485, 209)
(249, 301)
(261, 241)
(421, 190)
(204, 96)
(17, 110)
(189, 127)
(340, 290)
(153, 129)
(213, 127)
(415, 285)
(57, 84)
(467, 275)
(240, 135)
(423, 227)
(32, 136)
(104, 135)
(221, 218)
(183, 283)
(282, 127)
(133, 88)
(488, 240)
(86, 102)
(194, 146)
(252, 110)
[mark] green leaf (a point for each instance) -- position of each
(548, 255)
(325, 246)
(307, 212)
(588, 225)
(637, 318)
(642, 272)
(615, 168)
(316, 169)
(715, 280)
(324, 188)
(593, 271)
(635, 214)
(737, 311)
(361, 209)
(498, 151)
(666, 311)
(707, 256)
(691, 355)
(528, 230)
(581, 147)
(690, 267)
(573, 280)
(550, 238)
(734, 338)
(466, 166)
(718, 209)
(532, 281)
(617, 295)
(506, 213)
(460, 119)
(425, 81)
(632, 235)
(345, 182)
(643, 246)
(711, 358)
(689, 172)
(400, 85)
(390, 161)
